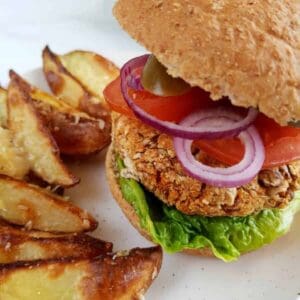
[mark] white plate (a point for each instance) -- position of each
(270, 273)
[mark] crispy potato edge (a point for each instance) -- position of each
(123, 275)
(23, 245)
(88, 223)
(75, 132)
(18, 89)
(55, 72)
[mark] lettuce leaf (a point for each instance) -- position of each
(227, 237)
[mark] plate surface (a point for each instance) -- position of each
(270, 273)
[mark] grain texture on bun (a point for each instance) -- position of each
(246, 50)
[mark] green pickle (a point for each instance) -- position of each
(157, 81)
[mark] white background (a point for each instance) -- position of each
(26, 26)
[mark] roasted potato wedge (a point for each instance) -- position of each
(12, 159)
(93, 71)
(74, 136)
(3, 108)
(75, 132)
(36, 208)
(31, 135)
(20, 245)
(68, 88)
(109, 277)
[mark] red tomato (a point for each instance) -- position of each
(282, 144)
(165, 108)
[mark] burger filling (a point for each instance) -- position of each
(227, 237)
(244, 142)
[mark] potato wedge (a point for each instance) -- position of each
(108, 277)
(37, 208)
(75, 132)
(74, 136)
(93, 71)
(69, 88)
(12, 159)
(30, 134)
(19, 245)
(3, 108)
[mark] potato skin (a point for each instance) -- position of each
(68, 88)
(75, 132)
(28, 205)
(3, 108)
(30, 134)
(71, 91)
(17, 244)
(74, 135)
(119, 276)
(92, 70)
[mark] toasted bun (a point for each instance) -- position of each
(246, 50)
(128, 210)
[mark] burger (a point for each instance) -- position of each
(205, 153)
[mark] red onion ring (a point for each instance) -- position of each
(134, 82)
(235, 176)
(187, 132)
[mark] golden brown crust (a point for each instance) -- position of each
(129, 211)
(150, 158)
(246, 50)
(17, 244)
(75, 137)
(36, 208)
(67, 87)
(125, 275)
(75, 132)
(93, 71)
(30, 133)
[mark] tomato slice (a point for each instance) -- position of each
(282, 144)
(172, 109)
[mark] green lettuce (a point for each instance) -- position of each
(227, 237)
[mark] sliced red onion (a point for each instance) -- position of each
(183, 131)
(134, 82)
(234, 176)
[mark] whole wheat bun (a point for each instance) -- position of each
(246, 50)
(128, 210)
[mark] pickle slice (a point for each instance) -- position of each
(157, 81)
